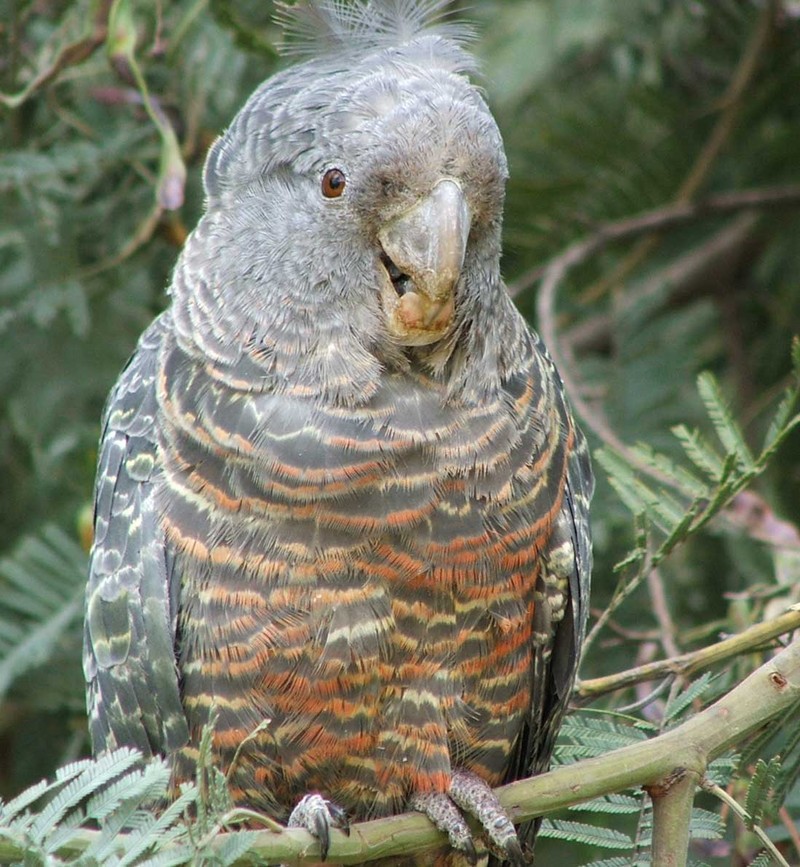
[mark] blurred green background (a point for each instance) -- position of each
(608, 109)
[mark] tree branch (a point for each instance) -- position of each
(731, 107)
(672, 815)
(579, 252)
(659, 219)
(768, 692)
(737, 808)
(695, 661)
(69, 55)
(697, 273)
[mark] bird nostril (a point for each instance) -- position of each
(402, 282)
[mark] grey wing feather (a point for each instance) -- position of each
(133, 693)
(555, 665)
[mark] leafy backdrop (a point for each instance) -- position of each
(608, 110)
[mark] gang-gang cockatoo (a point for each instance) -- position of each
(341, 501)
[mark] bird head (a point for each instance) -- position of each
(420, 170)
(368, 179)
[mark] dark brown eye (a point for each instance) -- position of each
(333, 183)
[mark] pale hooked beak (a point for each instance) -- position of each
(423, 254)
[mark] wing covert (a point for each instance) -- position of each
(133, 692)
(562, 590)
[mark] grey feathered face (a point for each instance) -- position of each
(425, 173)
(395, 171)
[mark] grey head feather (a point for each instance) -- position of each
(349, 28)
(346, 44)
(394, 109)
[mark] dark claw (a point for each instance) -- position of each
(322, 833)
(470, 852)
(318, 815)
(514, 853)
(475, 796)
(339, 817)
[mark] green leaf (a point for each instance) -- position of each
(686, 481)
(577, 832)
(41, 597)
(760, 793)
(9, 811)
(584, 735)
(728, 430)
(611, 805)
(699, 451)
(705, 825)
(92, 777)
(783, 422)
(696, 690)
(722, 769)
(616, 862)
(638, 496)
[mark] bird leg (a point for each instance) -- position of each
(441, 810)
(318, 815)
(474, 796)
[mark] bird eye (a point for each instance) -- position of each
(333, 183)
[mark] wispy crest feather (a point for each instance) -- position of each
(318, 28)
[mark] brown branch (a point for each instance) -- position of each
(558, 268)
(660, 219)
(687, 664)
(697, 273)
(660, 606)
(142, 234)
(791, 828)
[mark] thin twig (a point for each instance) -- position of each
(122, 50)
(658, 598)
(697, 273)
(791, 827)
(624, 589)
(737, 808)
(70, 55)
(647, 699)
(690, 663)
(661, 219)
(144, 232)
(579, 252)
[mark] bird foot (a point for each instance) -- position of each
(318, 815)
(473, 796)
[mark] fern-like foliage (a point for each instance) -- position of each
(116, 790)
(606, 109)
(590, 733)
(590, 835)
(119, 810)
(41, 599)
(760, 799)
(675, 501)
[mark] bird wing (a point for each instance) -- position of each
(562, 608)
(133, 695)
(567, 564)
